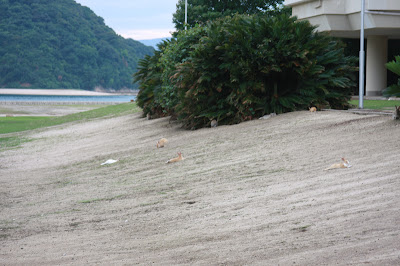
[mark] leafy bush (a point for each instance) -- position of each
(393, 90)
(247, 66)
(242, 67)
(176, 52)
(157, 96)
(149, 75)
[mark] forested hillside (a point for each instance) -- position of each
(61, 44)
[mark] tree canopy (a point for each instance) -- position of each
(201, 11)
(61, 44)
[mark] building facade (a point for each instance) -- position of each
(342, 18)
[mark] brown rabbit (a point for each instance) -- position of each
(161, 142)
(344, 164)
(177, 159)
(396, 114)
(313, 109)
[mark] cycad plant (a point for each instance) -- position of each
(393, 90)
(150, 80)
(157, 95)
(246, 66)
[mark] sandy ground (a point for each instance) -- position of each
(249, 194)
(29, 109)
(26, 109)
(52, 92)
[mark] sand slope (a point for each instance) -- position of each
(254, 193)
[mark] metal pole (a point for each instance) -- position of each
(185, 14)
(361, 59)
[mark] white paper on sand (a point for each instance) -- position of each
(110, 161)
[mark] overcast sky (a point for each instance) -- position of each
(136, 19)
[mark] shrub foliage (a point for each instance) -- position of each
(158, 96)
(394, 89)
(149, 75)
(242, 67)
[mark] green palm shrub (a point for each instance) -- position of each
(149, 76)
(244, 66)
(157, 95)
(176, 52)
(393, 90)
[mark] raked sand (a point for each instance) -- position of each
(255, 193)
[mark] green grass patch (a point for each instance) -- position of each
(101, 199)
(94, 106)
(149, 204)
(12, 142)
(302, 228)
(377, 104)
(4, 110)
(277, 170)
(23, 123)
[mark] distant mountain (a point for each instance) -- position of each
(153, 42)
(61, 44)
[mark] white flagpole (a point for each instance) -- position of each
(185, 14)
(361, 59)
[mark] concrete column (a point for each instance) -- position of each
(376, 73)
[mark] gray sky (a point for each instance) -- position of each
(136, 19)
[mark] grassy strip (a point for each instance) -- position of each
(377, 104)
(23, 123)
(12, 142)
(4, 110)
(17, 124)
(101, 199)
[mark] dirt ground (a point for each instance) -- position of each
(21, 109)
(249, 194)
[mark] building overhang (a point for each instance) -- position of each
(341, 18)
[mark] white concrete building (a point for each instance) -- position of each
(342, 18)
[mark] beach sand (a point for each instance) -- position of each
(52, 92)
(255, 193)
(30, 109)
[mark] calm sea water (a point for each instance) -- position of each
(60, 98)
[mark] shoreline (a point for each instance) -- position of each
(61, 92)
(53, 103)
